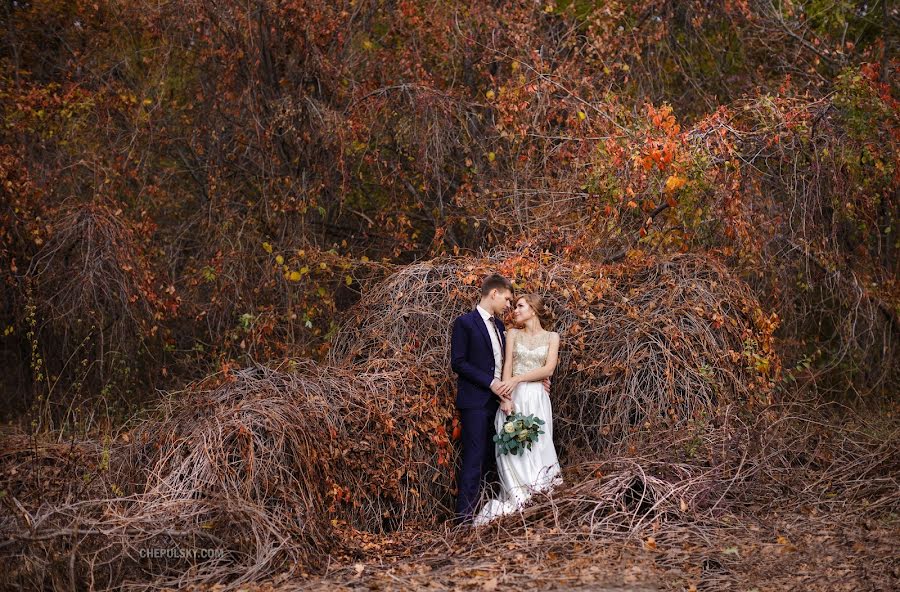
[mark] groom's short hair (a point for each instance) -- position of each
(495, 280)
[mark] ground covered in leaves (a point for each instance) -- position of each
(791, 550)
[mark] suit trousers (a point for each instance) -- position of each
(479, 462)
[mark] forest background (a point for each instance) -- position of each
(191, 190)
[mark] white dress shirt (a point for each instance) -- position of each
(494, 332)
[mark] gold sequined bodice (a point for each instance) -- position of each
(529, 355)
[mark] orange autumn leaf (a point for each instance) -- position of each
(667, 153)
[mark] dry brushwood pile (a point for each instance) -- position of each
(643, 343)
(105, 283)
(669, 423)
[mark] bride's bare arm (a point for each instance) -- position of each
(507, 357)
(547, 369)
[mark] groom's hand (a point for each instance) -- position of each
(501, 389)
(547, 384)
(510, 386)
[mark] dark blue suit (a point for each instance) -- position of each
(472, 358)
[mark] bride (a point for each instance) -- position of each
(530, 357)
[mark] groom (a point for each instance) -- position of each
(476, 355)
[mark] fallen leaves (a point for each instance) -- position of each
(786, 545)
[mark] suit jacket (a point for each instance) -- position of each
(472, 358)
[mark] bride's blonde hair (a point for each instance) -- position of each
(536, 302)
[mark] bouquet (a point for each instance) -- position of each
(518, 433)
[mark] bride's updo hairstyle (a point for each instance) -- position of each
(536, 303)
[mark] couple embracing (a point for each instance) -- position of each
(501, 373)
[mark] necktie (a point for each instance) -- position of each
(497, 333)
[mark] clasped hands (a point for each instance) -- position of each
(503, 389)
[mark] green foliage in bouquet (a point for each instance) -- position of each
(518, 433)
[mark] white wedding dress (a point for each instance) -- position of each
(535, 470)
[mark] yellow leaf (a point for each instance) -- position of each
(491, 156)
(490, 94)
(349, 280)
(267, 247)
(674, 183)
(279, 260)
(582, 116)
(295, 276)
(304, 270)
